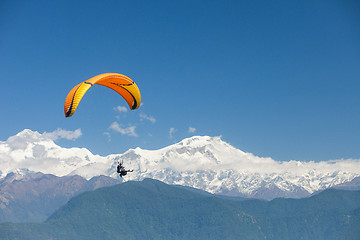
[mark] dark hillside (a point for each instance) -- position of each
(153, 210)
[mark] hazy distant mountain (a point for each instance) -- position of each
(34, 197)
(202, 162)
(352, 185)
(153, 210)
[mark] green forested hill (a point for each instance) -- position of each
(153, 210)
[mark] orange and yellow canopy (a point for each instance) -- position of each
(117, 82)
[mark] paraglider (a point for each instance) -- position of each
(121, 169)
(117, 82)
(121, 84)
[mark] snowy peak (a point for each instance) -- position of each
(195, 153)
(32, 151)
(26, 137)
(204, 143)
(196, 141)
(213, 165)
(27, 133)
(200, 153)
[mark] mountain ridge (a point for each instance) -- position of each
(35, 196)
(203, 162)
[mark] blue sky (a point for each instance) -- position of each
(275, 78)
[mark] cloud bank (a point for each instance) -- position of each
(143, 116)
(191, 130)
(129, 131)
(61, 133)
(120, 109)
(171, 131)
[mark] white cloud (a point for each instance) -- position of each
(61, 133)
(191, 130)
(130, 131)
(147, 117)
(120, 109)
(171, 131)
(108, 136)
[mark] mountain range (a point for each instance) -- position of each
(34, 197)
(202, 162)
(150, 209)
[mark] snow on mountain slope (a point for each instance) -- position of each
(35, 152)
(213, 165)
(202, 162)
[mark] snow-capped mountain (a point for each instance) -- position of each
(203, 162)
(32, 151)
(210, 164)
